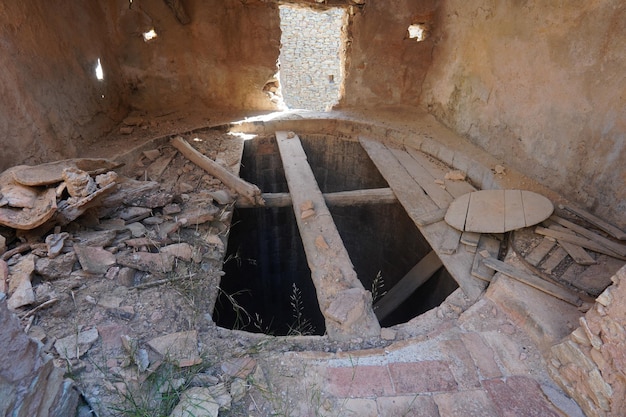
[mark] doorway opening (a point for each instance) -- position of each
(311, 57)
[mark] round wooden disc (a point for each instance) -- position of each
(498, 211)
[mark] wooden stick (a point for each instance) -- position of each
(417, 276)
(533, 281)
(246, 190)
(337, 199)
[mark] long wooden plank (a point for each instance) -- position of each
(332, 271)
(410, 195)
(578, 254)
(455, 187)
(533, 281)
(618, 248)
(577, 240)
(419, 206)
(553, 260)
(609, 228)
(421, 176)
(337, 199)
(417, 276)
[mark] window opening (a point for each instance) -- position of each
(311, 57)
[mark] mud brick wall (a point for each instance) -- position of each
(591, 364)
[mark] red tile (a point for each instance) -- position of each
(520, 397)
(422, 377)
(359, 381)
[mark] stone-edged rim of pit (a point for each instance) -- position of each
(446, 148)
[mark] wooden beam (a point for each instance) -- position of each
(246, 190)
(533, 281)
(337, 199)
(417, 276)
(577, 240)
(343, 301)
(618, 248)
(609, 228)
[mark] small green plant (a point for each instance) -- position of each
(301, 326)
(378, 287)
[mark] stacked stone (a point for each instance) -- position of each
(310, 68)
(591, 363)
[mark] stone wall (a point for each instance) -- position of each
(541, 86)
(590, 364)
(311, 70)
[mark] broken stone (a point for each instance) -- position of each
(455, 175)
(79, 183)
(146, 261)
(152, 154)
(214, 240)
(307, 205)
(105, 179)
(56, 268)
(388, 334)
(182, 251)
(291, 135)
(152, 221)
(137, 229)
(320, 242)
(196, 402)
(184, 188)
(126, 130)
(136, 213)
(76, 345)
(126, 277)
(440, 182)
(221, 395)
(99, 238)
(20, 287)
(238, 389)
(151, 200)
(306, 214)
(55, 243)
(181, 347)
(222, 197)
(138, 356)
(172, 208)
(167, 228)
(239, 367)
(499, 169)
(93, 259)
(133, 121)
(3, 244)
(199, 215)
(112, 273)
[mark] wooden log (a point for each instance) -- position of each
(533, 281)
(246, 190)
(338, 199)
(417, 276)
(618, 248)
(609, 228)
(577, 240)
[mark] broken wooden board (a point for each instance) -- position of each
(578, 254)
(343, 301)
(596, 221)
(533, 281)
(540, 251)
(407, 285)
(553, 260)
(51, 173)
(488, 246)
(487, 211)
(618, 248)
(337, 199)
(421, 209)
(577, 240)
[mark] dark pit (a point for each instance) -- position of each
(267, 286)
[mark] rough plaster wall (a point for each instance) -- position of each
(51, 100)
(384, 66)
(541, 85)
(309, 56)
(223, 58)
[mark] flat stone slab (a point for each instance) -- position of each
(498, 211)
